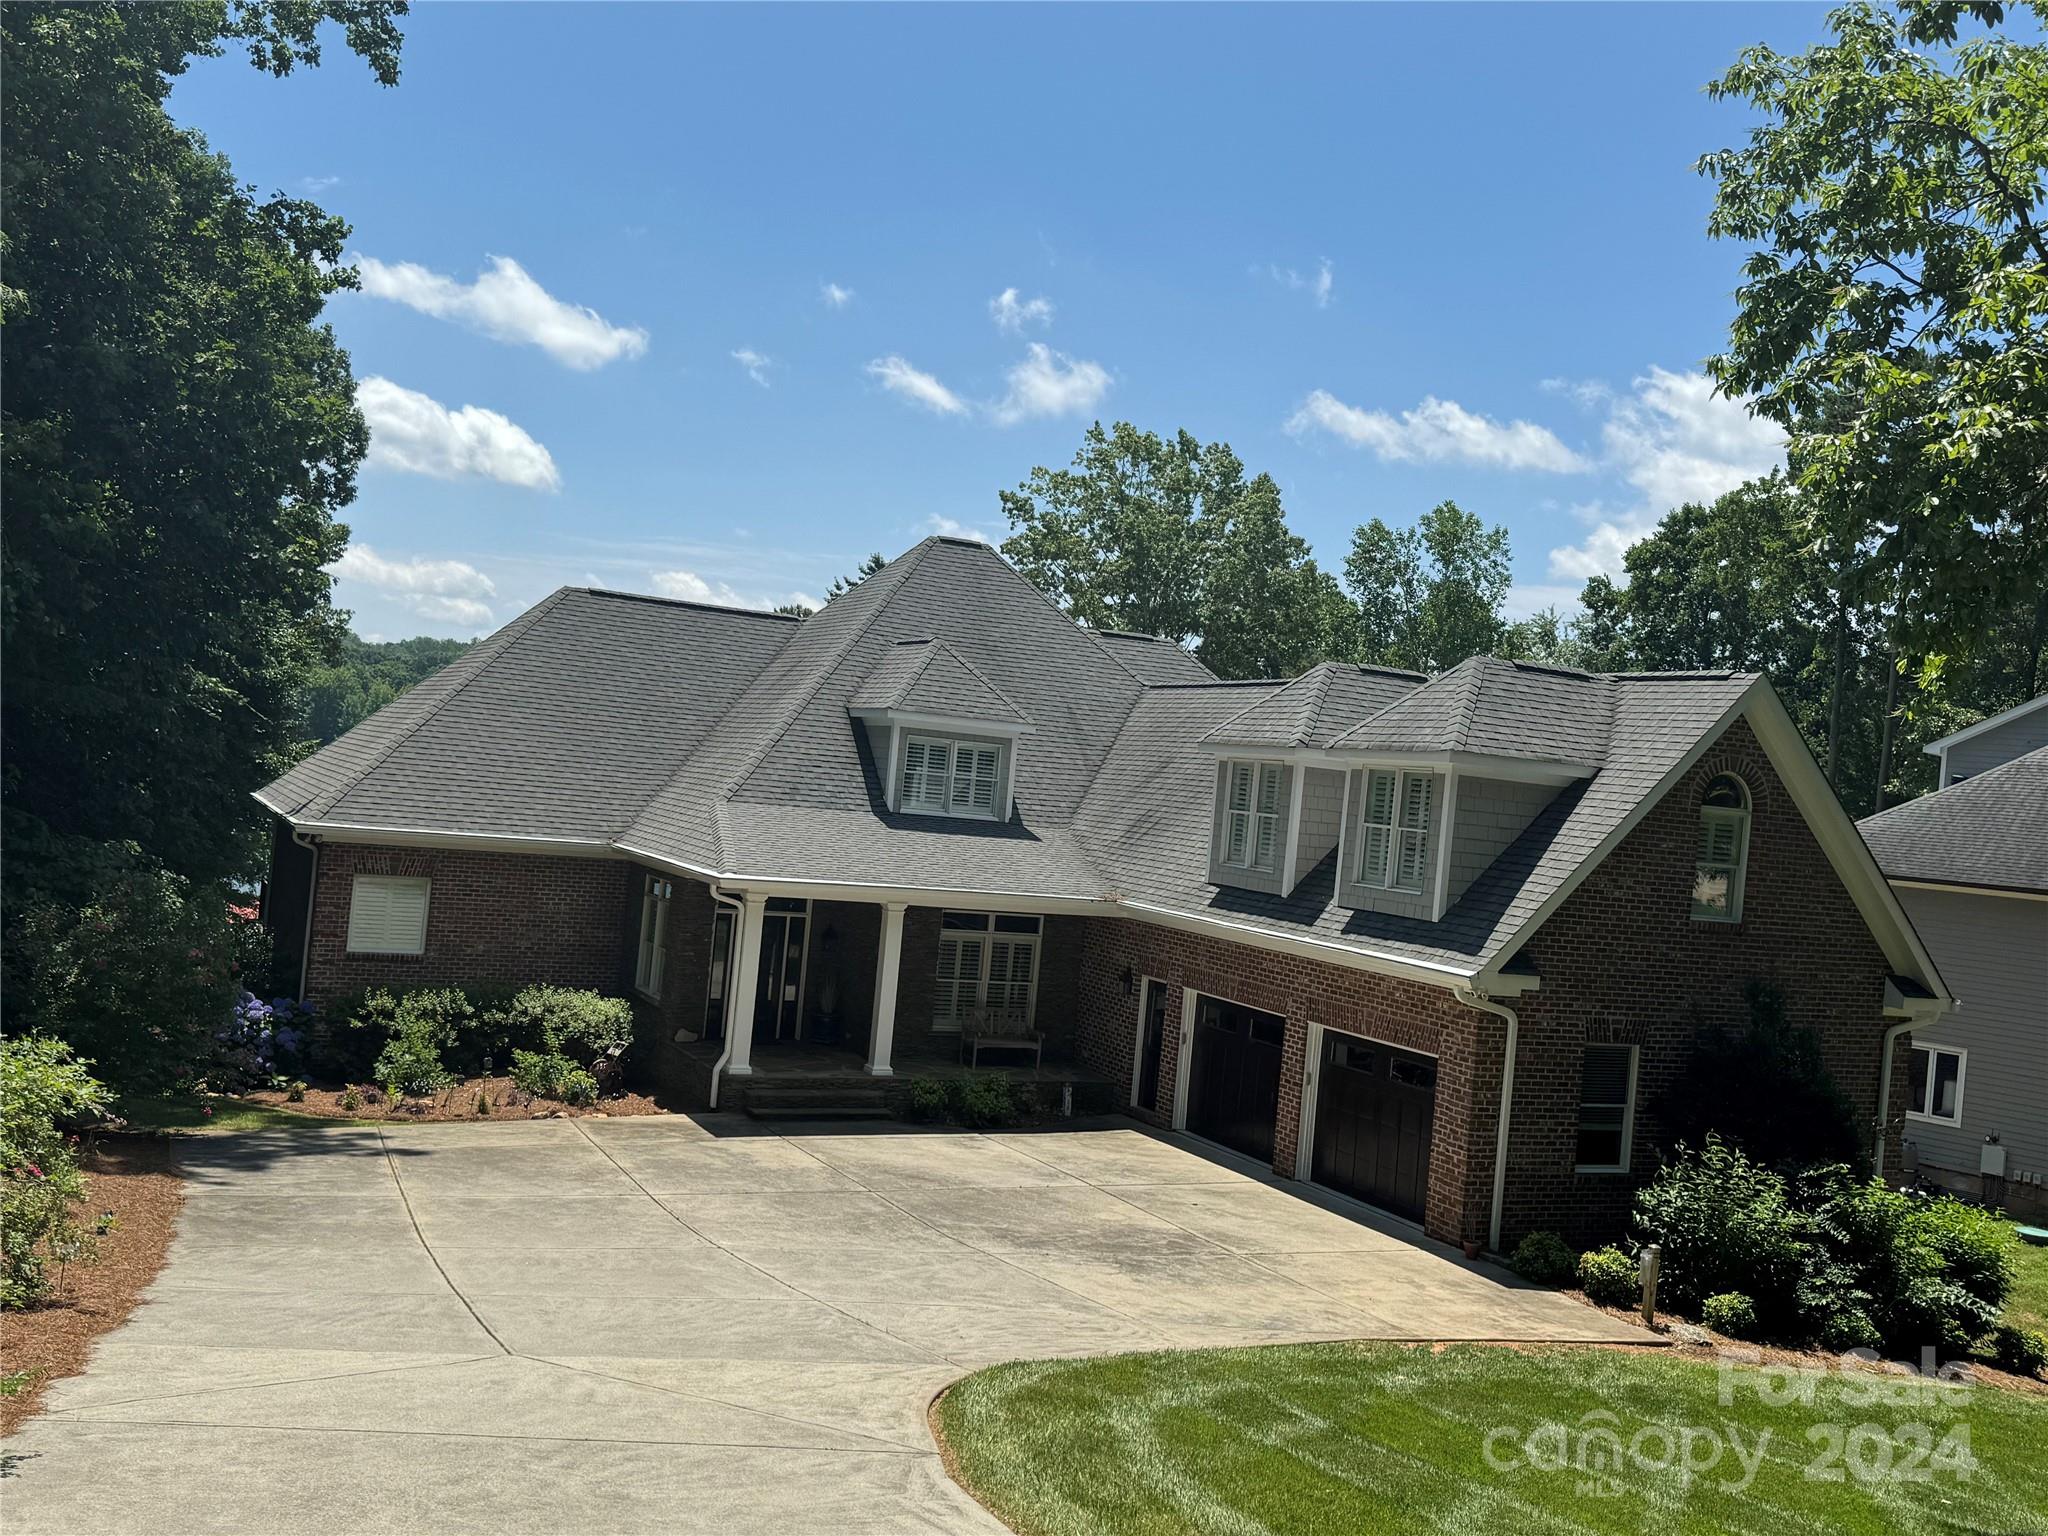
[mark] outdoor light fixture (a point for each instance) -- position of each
(1129, 981)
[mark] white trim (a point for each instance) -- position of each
(1481, 1004)
(1962, 1056)
(1969, 890)
(1940, 745)
(964, 725)
(1184, 1058)
(483, 842)
(1283, 858)
(1447, 820)
(1738, 874)
(1138, 1041)
(1628, 1106)
(1478, 764)
(954, 746)
(892, 787)
(1297, 781)
(1343, 833)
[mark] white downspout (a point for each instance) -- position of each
(1472, 999)
(312, 846)
(739, 917)
(1884, 1095)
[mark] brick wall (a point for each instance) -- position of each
(1623, 961)
(492, 918)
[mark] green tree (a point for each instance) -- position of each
(1429, 596)
(1894, 315)
(363, 678)
(179, 431)
(1268, 610)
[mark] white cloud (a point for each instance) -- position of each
(505, 304)
(835, 297)
(313, 186)
(946, 526)
(1438, 431)
(414, 432)
(897, 376)
(1012, 313)
(1049, 383)
(451, 590)
(1674, 441)
(756, 364)
(692, 588)
(1319, 284)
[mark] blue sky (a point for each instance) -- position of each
(710, 301)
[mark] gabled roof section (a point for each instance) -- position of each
(560, 725)
(1154, 659)
(1968, 732)
(1493, 708)
(928, 677)
(1990, 830)
(1317, 707)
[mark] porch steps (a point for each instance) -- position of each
(817, 1101)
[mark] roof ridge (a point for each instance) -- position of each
(979, 676)
(686, 602)
(524, 624)
(1032, 587)
(1323, 671)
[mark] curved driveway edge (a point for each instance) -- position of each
(676, 1324)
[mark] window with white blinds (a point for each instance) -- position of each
(387, 915)
(1607, 1090)
(653, 960)
(1251, 815)
(1724, 850)
(950, 778)
(1396, 827)
(986, 961)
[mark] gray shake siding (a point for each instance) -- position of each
(1994, 950)
(2000, 744)
(1490, 814)
(1322, 813)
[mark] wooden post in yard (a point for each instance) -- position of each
(1652, 1254)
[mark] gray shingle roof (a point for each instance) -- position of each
(929, 677)
(1989, 830)
(1498, 709)
(1317, 707)
(1153, 659)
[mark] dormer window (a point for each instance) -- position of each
(1394, 828)
(945, 777)
(1724, 851)
(1251, 815)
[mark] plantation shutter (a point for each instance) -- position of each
(1269, 815)
(974, 778)
(1237, 814)
(387, 915)
(924, 773)
(1377, 829)
(1718, 840)
(959, 982)
(1009, 974)
(1418, 793)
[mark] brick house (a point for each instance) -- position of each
(1434, 943)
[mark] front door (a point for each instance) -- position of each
(779, 990)
(1374, 1110)
(1234, 1091)
(1151, 1042)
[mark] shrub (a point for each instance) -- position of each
(2023, 1351)
(296, 1093)
(1609, 1277)
(1544, 1258)
(551, 1075)
(929, 1099)
(259, 1039)
(1924, 1273)
(1730, 1312)
(43, 1087)
(483, 1102)
(350, 1099)
(983, 1103)
(1726, 1223)
(569, 1021)
(410, 1063)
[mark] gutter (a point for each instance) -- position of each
(1884, 1091)
(739, 919)
(312, 846)
(1483, 1004)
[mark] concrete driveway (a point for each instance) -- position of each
(675, 1324)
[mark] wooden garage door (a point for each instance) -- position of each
(1234, 1089)
(1374, 1108)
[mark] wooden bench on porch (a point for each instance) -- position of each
(1000, 1029)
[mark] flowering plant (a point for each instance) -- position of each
(261, 1038)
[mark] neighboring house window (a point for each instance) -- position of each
(1394, 829)
(387, 915)
(1607, 1090)
(1724, 850)
(1251, 815)
(986, 961)
(1937, 1084)
(949, 778)
(654, 901)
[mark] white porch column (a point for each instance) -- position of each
(888, 963)
(746, 982)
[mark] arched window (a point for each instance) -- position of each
(1724, 850)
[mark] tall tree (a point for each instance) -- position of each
(1429, 596)
(1894, 315)
(363, 678)
(179, 431)
(1268, 610)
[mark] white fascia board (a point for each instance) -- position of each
(1955, 889)
(1936, 748)
(1330, 952)
(269, 804)
(1480, 765)
(957, 725)
(431, 837)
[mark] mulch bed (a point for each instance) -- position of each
(136, 1179)
(456, 1103)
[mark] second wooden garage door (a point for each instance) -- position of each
(1234, 1087)
(1374, 1109)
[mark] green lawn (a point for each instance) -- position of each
(2028, 1303)
(185, 1114)
(1356, 1438)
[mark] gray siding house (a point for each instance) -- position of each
(2000, 739)
(1970, 865)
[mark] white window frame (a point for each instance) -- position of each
(651, 962)
(1738, 872)
(1925, 1084)
(987, 935)
(1628, 1108)
(372, 944)
(1397, 834)
(947, 803)
(1145, 984)
(1261, 772)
